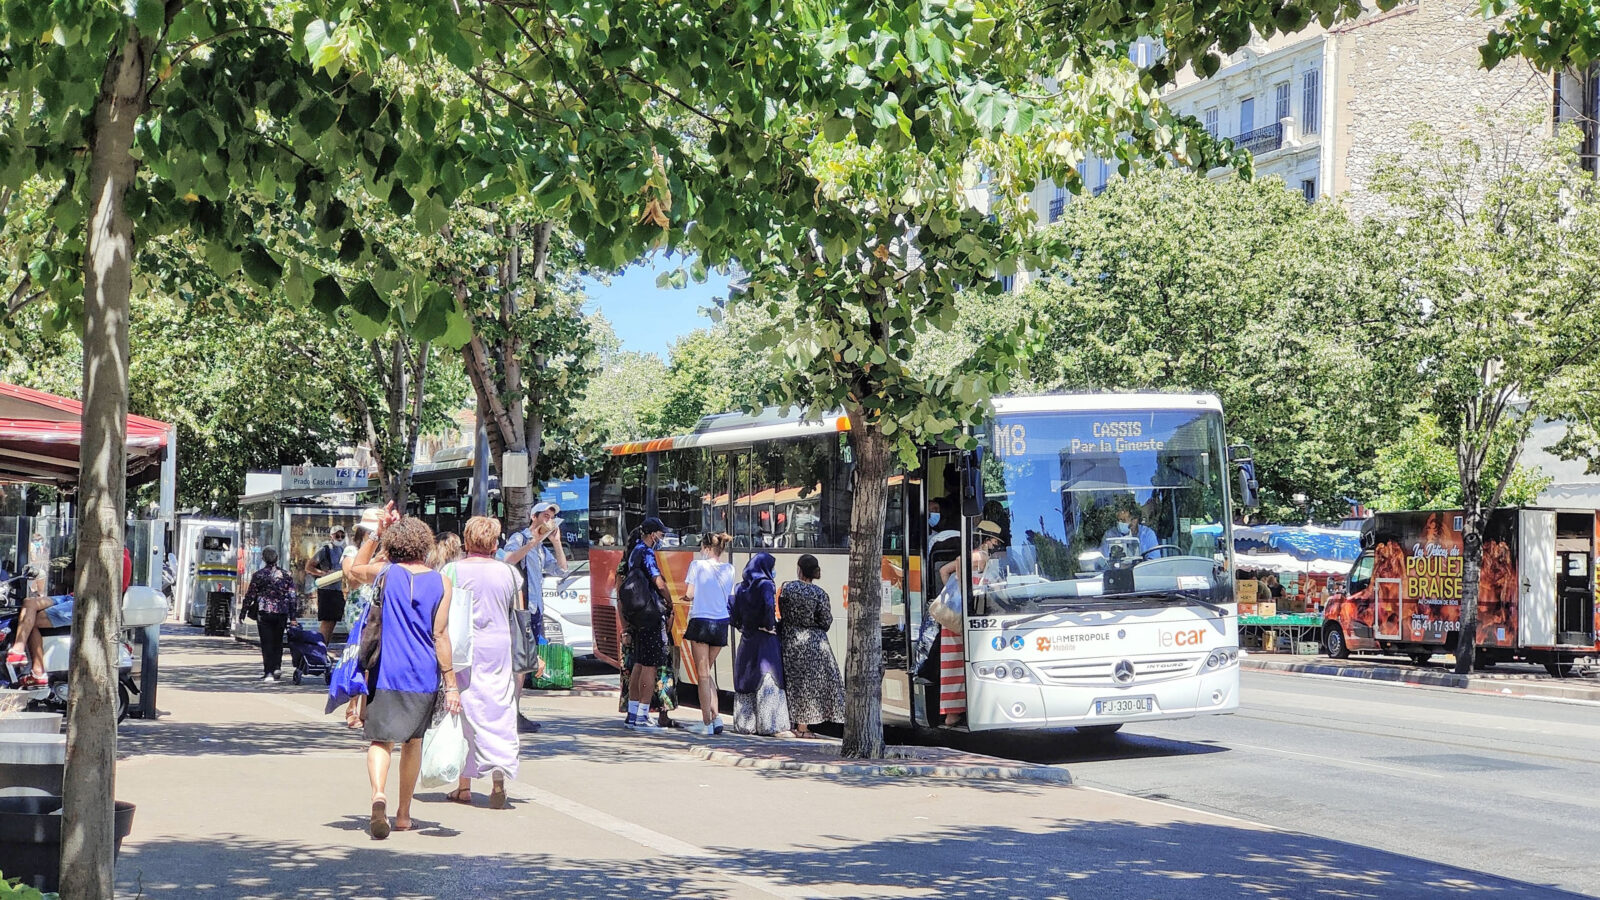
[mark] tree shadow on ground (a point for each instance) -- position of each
(1046, 858)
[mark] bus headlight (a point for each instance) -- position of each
(1005, 671)
(1223, 658)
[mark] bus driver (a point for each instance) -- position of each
(1130, 523)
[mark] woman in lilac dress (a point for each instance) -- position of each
(759, 703)
(488, 686)
(414, 650)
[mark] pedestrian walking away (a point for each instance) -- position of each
(273, 592)
(810, 673)
(646, 629)
(330, 599)
(759, 703)
(414, 649)
(709, 586)
(489, 684)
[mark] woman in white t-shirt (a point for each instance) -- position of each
(709, 585)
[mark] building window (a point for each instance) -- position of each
(1247, 115)
(1280, 102)
(1308, 187)
(1211, 121)
(1311, 102)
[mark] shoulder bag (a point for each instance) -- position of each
(460, 600)
(371, 643)
(524, 646)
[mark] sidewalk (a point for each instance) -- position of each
(248, 791)
(1517, 680)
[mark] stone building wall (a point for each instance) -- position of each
(1418, 63)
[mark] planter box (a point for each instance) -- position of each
(31, 723)
(32, 764)
(30, 838)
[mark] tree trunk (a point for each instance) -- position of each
(1472, 525)
(863, 670)
(89, 787)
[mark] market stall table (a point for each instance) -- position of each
(1302, 628)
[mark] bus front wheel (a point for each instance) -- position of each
(1333, 639)
(1099, 730)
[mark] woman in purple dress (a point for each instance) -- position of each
(414, 650)
(488, 686)
(759, 703)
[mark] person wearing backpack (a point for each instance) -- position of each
(330, 599)
(643, 600)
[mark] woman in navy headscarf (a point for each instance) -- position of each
(759, 704)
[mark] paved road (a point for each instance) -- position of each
(1505, 785)
(249, 791)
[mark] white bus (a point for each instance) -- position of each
(1072, 622)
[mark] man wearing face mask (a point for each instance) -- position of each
(1130, 523)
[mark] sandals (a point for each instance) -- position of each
(460, 795)
(379, 822)
(497, 795)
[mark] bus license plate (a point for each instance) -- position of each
(1124, 706)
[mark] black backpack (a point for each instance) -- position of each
(637, 597)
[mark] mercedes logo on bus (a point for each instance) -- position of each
(1123, 672)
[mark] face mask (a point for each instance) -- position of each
(933, 521)
(1124, 527)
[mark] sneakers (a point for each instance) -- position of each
(269, 678)
(644, 723)
(17, 658)
(526, 725)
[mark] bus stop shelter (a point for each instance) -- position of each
(41, 437)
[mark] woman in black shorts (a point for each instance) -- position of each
(709, 585)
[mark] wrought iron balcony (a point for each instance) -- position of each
(1262, 140)
(1057, 207)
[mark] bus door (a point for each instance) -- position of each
(902, 592)
(941, 545)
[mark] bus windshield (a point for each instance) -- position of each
(1104, 504)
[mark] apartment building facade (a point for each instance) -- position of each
(1320, 108)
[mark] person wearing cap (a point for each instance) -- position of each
(952, 655)
(647, 638)
(527, 551)
(330, 600)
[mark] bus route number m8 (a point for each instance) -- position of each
(1010, 440)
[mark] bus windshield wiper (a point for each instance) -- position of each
(1172, 596)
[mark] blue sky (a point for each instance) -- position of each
(647, 318)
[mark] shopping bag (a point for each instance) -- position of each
(444, 750)
(524, 648)
(948, 609)
(460, 622)
(346, 682)
(557, 668)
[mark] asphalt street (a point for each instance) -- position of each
(1509, 786)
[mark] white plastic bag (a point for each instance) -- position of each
(444, 751)
(460, 622)
(948, 608)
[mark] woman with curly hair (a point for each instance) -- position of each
(414, 651)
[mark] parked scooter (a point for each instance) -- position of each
(52, 695)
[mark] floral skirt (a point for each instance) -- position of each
(766, 711)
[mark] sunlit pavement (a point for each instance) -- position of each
(245, 790)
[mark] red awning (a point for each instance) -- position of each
(40, 437)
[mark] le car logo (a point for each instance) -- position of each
(1183, 638)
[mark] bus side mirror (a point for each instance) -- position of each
(972, 484)
(1248, 486)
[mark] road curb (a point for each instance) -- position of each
(888, 768)
(1500, 687)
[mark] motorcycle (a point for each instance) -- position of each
(51, 696)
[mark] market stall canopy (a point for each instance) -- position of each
(1303, 542)
(41, 435)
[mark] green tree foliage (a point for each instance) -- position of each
(1172, 281)
(1418, 471)
(1502, 276)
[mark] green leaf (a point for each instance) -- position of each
(318, 116)
(259, 265)
(327, 296)
(364, 300)
(400, 200)
(352, 245)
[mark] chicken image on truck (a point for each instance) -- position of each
(1536, 588)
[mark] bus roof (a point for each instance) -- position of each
(732, 429)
